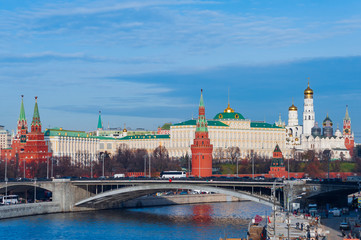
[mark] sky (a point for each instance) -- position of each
(143, 63)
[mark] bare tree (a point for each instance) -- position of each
(233, 153)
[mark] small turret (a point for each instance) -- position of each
(100, 124)
(36, 124)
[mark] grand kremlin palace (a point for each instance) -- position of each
(227, 129)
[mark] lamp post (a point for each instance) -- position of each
(237, 165)
(145, 165)
(252, 156)
(274, 210)
(24, 167)
(34, 189)
(103, 156)
(189, 165)
(6, 177)
(47, 167)
(150, 173)
(52, 167)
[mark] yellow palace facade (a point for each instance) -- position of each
(227, 129)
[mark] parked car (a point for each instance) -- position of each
(344, 226)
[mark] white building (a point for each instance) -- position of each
(312, 137)
(5, 138)
(82, 147)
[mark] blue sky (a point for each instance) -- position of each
(143, 63)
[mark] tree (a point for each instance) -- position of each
(313, 169)
(233, 153)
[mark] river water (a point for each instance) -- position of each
(197, 221)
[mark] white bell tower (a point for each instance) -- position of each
(308, 112)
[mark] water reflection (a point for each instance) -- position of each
(200, 221)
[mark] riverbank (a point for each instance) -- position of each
(22, 210)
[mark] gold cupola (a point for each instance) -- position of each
(308, 91)
(228, 109)
(293, 107)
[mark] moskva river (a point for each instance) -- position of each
(198, 221)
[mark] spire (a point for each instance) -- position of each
(36, 116)
(100, 124)
(228, 109)
(22, 110)
(201, 103)
(201, 121)
(347, 117)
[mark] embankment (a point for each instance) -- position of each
(22, 210)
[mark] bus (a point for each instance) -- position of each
(173, 174)
(9, 199)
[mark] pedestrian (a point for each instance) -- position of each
(301, 226)
(343, 232)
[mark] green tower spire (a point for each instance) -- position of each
(347, 117)
(36, 116)
(201, 121)
(22, 110)
(100, 124)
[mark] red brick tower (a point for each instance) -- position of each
(201, 147)
(277, 168)
(349, 138)
(35, 150)
(18, 143)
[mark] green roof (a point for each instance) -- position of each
(193, 122)
(36, 116)
(163, 136)
(263, 125)
(229, 115)
(67, 133)
(22, 110)
(100, 125)
(166, 126)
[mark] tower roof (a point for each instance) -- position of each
(36, 116)
(293, 107)
(277, 149)
(100, 124)
(327, 119)
(201, 121)
(308, 91)
(347, 117)
(22, 110)
(201, 103)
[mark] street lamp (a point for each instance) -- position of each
(145, 165)
(34, 189)
(6, 177)
(47, 167)
(52, 167)
(150, 174)
(103, 156)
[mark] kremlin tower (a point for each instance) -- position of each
(277, 168)
(349, 138)
(308, 112)
(28, 149)
(201, 147)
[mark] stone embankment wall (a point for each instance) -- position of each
(178, 199)
(22, 210)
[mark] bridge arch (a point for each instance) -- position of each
(113, 198)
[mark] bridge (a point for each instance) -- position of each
(81, 195)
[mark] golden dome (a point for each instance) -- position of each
(228, 109)
(125, 130)
(308, 91)
(292, 108)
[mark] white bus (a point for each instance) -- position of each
(173, 174)
(9, 199)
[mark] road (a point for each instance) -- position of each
(332, 224)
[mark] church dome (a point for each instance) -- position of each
(292, 108)
(229, 113)
(308, 92)
(327, 121)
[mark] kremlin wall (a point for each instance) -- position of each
(201, 138)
